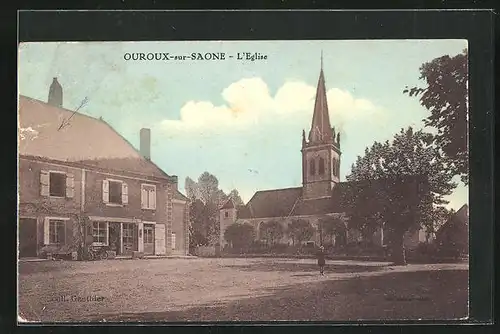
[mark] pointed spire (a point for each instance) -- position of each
(320, 127)
(321, 60)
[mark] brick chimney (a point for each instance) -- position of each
(145, 143)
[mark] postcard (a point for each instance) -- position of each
(216, 181)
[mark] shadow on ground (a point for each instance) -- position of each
(391, 295)
(266, 266)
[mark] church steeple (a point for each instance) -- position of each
(321, 130)
(55, 94)
(321, 152)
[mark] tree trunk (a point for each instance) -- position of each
(398, 256)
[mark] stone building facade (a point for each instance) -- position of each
(80, 180)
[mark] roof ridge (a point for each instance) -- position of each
(227, 201)
(55, 107)
(269, 190)
(102, 121)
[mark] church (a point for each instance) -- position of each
(320, 193)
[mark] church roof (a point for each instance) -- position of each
(318, 206)
(282, 203)
(321, 129)
(84, 140)
(242, 211)
(459, 219)
(228, 205)
(288, 202)
(271, 203)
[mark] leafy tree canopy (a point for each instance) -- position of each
(300, 230)
(271, 231)
(399, 183)
(445, 96)
(240, 235)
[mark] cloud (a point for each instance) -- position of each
(249, 102)
(27, 133)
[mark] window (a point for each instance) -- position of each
(312, 167)
(148, 235)
(99, 232)
(321, 169)
(148, 196)
(57, 231)
(334, 166)
(226, 214)
(173, 240)
(115, 192)
(128, 233)
(57, 185)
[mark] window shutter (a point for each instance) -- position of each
(140, 238)
(46, 226)
(124, 193)
(160, 248)
(105, 191)
(44, 183)
(152, 198)
(70, 185)
(144, 195)
(107, 233)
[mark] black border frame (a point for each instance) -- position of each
(476, 26)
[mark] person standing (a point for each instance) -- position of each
(321, 260)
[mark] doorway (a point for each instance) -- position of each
(130, 238)
(115, 237)
(27, 237)
(149, 239)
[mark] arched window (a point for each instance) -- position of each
(321, 168)
(312, 167)
(334, 166)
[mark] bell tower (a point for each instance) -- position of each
(321, 151)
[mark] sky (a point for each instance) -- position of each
(240, 120)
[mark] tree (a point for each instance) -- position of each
(445, 96)
(414, 181)
(330, 227)
(208, 188)
(191, 188)
(240, 236)
(271, 231)
(300, 230)
(206, 199)
(437, 218)
(198, 229)
(235, 196)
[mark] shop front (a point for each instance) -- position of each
(124, 236)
